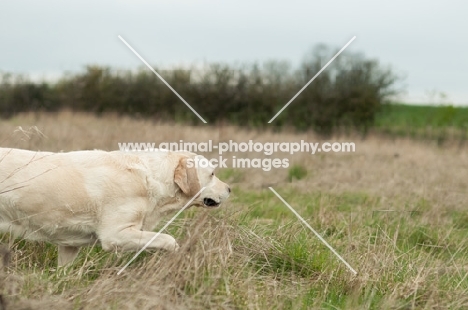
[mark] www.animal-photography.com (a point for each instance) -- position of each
(233, 155)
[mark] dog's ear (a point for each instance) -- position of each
(185, 176)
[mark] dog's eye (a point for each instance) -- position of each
(212, 174)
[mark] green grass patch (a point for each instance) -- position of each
(420, 116)
(423, 122)
(297, 172)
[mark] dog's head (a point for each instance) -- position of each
(192, 174)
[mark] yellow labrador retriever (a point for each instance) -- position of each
(114, 198)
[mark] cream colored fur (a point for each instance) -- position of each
(111, 198)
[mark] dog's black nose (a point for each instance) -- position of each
(229, 189)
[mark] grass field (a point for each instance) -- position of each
(430, 122)
(396, 210)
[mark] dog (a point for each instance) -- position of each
(115, 199)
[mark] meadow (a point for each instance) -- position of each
(396, 210)
(427, 122)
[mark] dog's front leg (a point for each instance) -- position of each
(132, 239)
(121, 228)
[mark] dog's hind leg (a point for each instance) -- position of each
(66, 254)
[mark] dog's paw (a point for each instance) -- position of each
(168, 243)
(173, 247)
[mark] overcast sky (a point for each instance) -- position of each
(426, 41)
